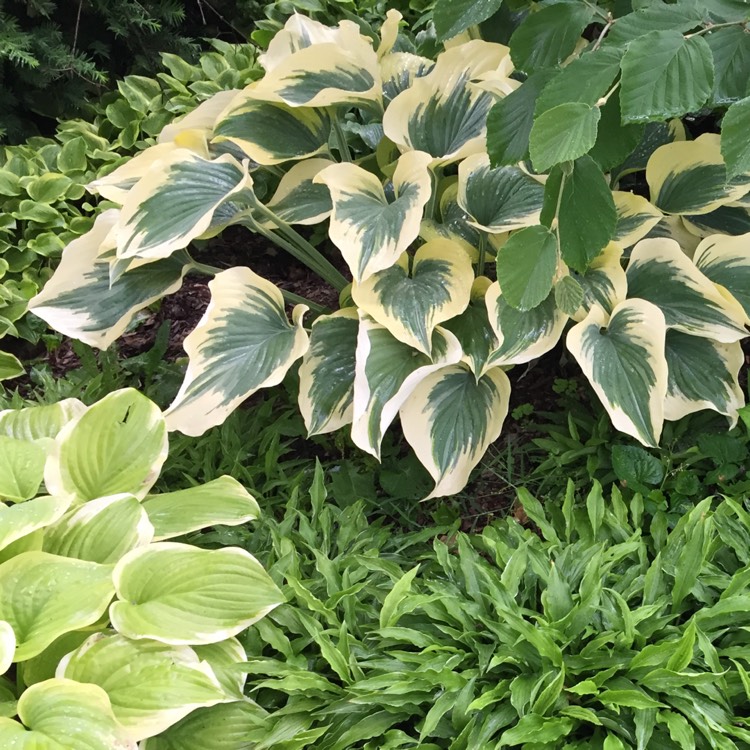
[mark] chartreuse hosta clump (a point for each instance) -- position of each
(472, 241)
(112, 636)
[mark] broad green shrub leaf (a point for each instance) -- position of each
(730, 48)
(451, 418)
(498, 200)
(117, 446)
(563, 133)
(615, 141)
(298, 198)
(569, 295)
(100, 531)
(242, 343)
(702, 375)
(150, 685)
(526, 265)
(725, 261)
(636, 217)
(549, 35)
(7, 646)
(201, 596)
(522, 336)
(255, 126)
(386, 372)
(326, 375)
(18, 521)
(416, 294)
(682, 15)
(734, 145)
(174, 202)
(689, 177)
(637, 467)
(39, 422)
(370, 230)
(665, 75)
(64, 715)
(80, 300)
(21, 469)
(604, 283)
(623, 358)
(662, 274)
(442, 114)
(223, 501)
(43, 596)
(451, 17)
(10, 366)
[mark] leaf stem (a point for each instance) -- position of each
(602, 14)
(711, 26)
(431, 207)
(340, 138)
(603, 33)
(482, 253)
(563, 178)
(604, 99)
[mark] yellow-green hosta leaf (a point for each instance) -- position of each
(419, 293)
(226, 726)
(202, 118)
(39, 422)
(21, 469)
(174, 202)
(370, 230)
(690, 177)
(726, 261)
(18, 521)
(635, 218)
(399, 70)
(43, 666)
(662, 274)
(702, 375)
(442, 113)
(10, 366)
(522, 336)
(242, 343)
(326, 375)
(117, 446)
(79, 300)
(604, 283)
(43, 596)
(500, 199)
(451, 418)
(150, 685)
(623, 358)
(101, 530)
(272, 132)
(387, 371)
(223, 501)
(225, 659)
(7, 646)
(64, 715)
(298, 198)
(200, 596)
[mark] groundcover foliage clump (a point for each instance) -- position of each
(515, 163)
(111, 635)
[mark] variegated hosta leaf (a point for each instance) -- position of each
(202, 118)
(243, 342)
(387, 371)
(442, 113)
(623, 358)
(326, 375)
(661, 273)
(635, 218)
(221, 501)
(410, 302)
(225, 659)
(522, 336)
(272, 132)
(150, 685)
(604, 283)
(18, 521)
(174, 202)
(7, 646)
(298, 198)
(389, 32)
(675, 228)
(732, 220)
(200, 596)
(702, 375)
(399, 70)
(500, 199)
(726, 261)
(40, 422)
(370, 230)
(690, 177)
(450, 420)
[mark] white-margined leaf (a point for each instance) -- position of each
(226, 659)
(726, 261)
(243, 342)
(21, 469)
(417, 294)
(604, 283)
(662, 274)
(39, 422)
(399, 70)
(623, 358)
(200, 596)
(387, 371)
(22, 519)
(451, 418)
(326, 375)
(370, 229)
(202, 118)
(298, 198)
(635, 218)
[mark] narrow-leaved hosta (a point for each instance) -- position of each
(480, 208)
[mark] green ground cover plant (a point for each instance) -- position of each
(111, 634)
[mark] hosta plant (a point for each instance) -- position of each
(390, 149)
(110, 633)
